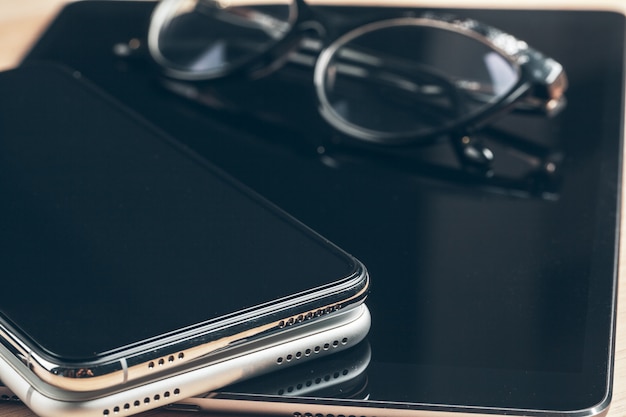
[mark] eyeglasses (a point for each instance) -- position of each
(392, 82)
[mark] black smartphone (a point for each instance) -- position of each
(140, 265)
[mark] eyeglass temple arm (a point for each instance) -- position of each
(548, 78)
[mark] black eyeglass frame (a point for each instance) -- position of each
(540, 88)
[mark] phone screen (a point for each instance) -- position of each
(113, 235)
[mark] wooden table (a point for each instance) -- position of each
(21, 22)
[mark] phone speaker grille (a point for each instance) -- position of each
(138, 404)
(308, 316)
(166, 360)
(311, 351)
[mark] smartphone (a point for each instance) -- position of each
(341, 375)
(317, 339)
(137, 260)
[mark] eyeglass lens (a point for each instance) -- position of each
(213, 36)
(400, 78)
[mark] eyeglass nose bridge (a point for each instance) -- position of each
(306, 23)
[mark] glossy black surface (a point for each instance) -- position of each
(117, 236)
(481, 296)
